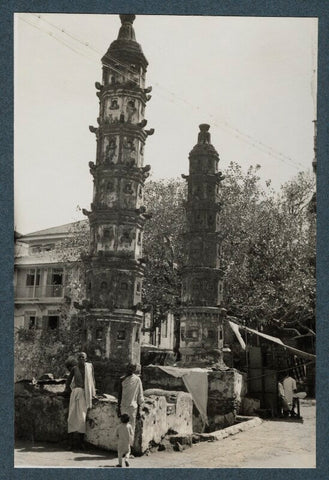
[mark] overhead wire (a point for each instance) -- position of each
(86, 44)
(268, 150)
(54, 37)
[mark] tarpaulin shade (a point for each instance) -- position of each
(235, 327)
(196, 382)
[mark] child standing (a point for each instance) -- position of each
(125, 436)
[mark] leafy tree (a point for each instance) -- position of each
(163, 245)
(269, 250)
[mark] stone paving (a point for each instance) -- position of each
(271, 444)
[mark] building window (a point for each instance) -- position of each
(121, 335)
(55, 282)
(165, 328)
(220, 334)
(57, 276)
(114, 104)
(139, 238)
(147, 320)
(53, 320)
(109, 186)
(33, 277)
(211, 334)
(137, 335)
(99, 334)
(41, 248)
(192, 334)
(30, 320)
(84, 335)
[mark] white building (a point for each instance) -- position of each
(40, 277)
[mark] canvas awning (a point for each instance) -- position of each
(196, 383)
(236, 327)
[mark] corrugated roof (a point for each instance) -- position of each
(60, 230)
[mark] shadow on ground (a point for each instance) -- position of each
(90, 453)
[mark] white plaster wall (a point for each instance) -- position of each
(102, 421)
(161, 411)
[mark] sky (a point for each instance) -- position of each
(252, 79)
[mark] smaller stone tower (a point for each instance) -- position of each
(201, 330)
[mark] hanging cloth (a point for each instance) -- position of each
(196, 383)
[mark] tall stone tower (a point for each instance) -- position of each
(201, 329)
(114, 270)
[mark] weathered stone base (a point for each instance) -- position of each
(112, 341)
(249, 406)
(201, 331)
(225, 391)
(42, 416)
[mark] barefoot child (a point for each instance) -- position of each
(125, 436)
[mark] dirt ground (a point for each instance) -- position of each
(273, 444)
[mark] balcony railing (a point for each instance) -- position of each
(45, 291)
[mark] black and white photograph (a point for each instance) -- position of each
(165, 241)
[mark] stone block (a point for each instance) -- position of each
(41, 417)
(52, 387)
(216, 422)
(155, 378)
(152, 426)
(178, 409)
(102, 421)
(249, 406)
(184, 440)
(225, 392)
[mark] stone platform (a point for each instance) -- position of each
(41, 415)
(226, 389)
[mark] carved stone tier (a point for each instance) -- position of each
(114, 288)
(119, 189)
(203, 249)
(202, 286)
(120, 144)
(203, 218)
(203, 188)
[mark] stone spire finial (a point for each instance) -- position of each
(126, 31)
(127, 18)
(204, 135)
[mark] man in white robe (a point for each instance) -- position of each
(130, 398)
(289, 387)
(82, 383)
